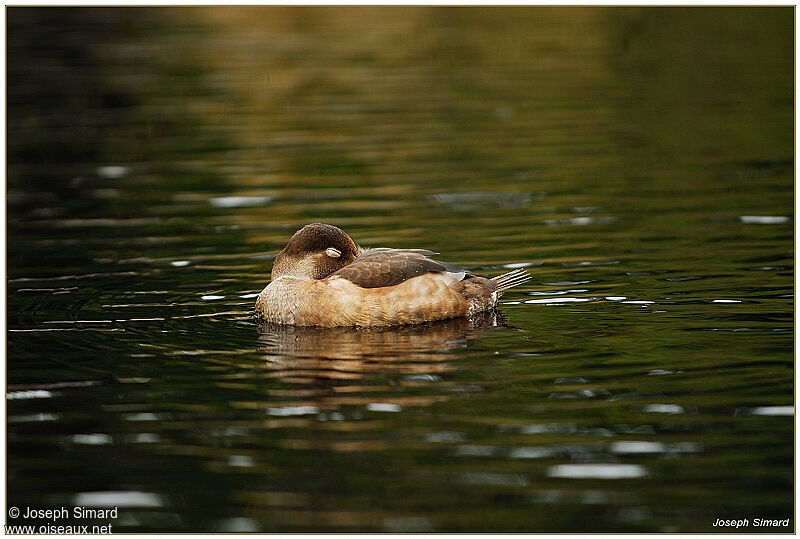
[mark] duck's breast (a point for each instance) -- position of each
(306, 302)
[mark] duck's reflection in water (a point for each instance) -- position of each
(310, 355)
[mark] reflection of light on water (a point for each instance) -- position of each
(763, 219)
(563, 300)
(518, 265)
(558, 428)
(241, 461)
(531, 452)
(625, 447)
(580, 221)
(293, 410)
(112, 172)
(92, 439)
(383, 407)
(333, 416)
(32, 394)
(558, 292)
(238, 201)
(559, 301)
(144, 416)
(597, 471)
(122, 498)
(581, 394)
(589, 263)
(144, 438)
(574, 380)
(422, 378)
(664, 409)
(773, 410)
(33, 418)
(662, 372)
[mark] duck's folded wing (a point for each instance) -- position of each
(387, 267)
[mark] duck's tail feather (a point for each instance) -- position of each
(510, 279)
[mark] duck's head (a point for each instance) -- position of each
(314, 252)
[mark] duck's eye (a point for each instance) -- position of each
(333, 252)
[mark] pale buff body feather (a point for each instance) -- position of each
(335, 301)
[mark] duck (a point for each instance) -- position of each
(323, 278)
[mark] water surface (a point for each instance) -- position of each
(638, 162)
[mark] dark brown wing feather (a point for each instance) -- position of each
(387, 267)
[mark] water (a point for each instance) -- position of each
(639, 162)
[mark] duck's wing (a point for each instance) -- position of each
(375, 268)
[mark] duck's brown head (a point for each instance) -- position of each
(314, 252)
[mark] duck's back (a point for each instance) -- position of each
(377, 268)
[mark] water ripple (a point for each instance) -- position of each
(597, 471)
